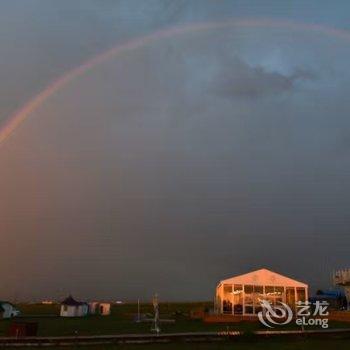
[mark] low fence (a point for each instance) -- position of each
(342, 316)
(161, 338)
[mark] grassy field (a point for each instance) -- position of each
(122, 318)
(122, 321)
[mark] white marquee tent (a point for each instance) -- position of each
(241, 295)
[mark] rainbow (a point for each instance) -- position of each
(19, 116)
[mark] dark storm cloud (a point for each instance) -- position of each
(174, 165)
(238, 79)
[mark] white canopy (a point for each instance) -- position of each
(264, 277)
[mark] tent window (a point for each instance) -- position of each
(301, 295)
(227, 288)
(238, 299)
(227, 301)
(248, 289)
(290, 296)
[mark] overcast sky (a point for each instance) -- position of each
(178, 164)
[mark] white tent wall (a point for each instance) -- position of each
(74, 311)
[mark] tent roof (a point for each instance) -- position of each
(264, 277)
(72, 302)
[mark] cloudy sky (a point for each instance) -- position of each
(190, 159)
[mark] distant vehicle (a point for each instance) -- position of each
(119, 302)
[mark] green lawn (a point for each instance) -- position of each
(120, 320)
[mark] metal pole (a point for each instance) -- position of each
(138, 310)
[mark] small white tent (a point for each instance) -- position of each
(104, 309)
(72, 308)
(98, 308)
